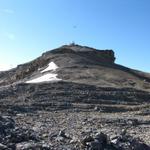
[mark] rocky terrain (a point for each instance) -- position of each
(74, 97)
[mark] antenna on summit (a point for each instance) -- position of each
(73, 43)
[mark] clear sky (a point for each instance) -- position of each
(30, 27)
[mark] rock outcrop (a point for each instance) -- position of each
(103, 56)
(68, 55)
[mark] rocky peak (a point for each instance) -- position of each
(64, 56)
(78, 48)
(104, 56)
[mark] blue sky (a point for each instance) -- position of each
(30, 27)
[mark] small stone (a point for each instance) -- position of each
(95, 145)
(62, 134)
(123, 132)
(60, 138)
(96, 108)
(45, 135)
(46, 146)
(102, 138)
(73, 140)
(86, 140)
(32, 145)
(114, 141)
(3, 147)
(25, 146)
(133, 122)
(83, 123)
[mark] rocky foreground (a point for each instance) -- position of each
(74, 129)
(63, 116)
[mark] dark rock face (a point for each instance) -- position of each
(64, 95)
(103, 56)
(102, 142)
(62, 56)
(13, 137)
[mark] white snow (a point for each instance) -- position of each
(51, 67)
(45, 78)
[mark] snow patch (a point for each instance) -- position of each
(51, 67)
(45, 78)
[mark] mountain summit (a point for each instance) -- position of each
(77, 73)
(78, 64)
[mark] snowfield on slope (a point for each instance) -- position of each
(51, 67)
(48, 76)
(45, 78)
